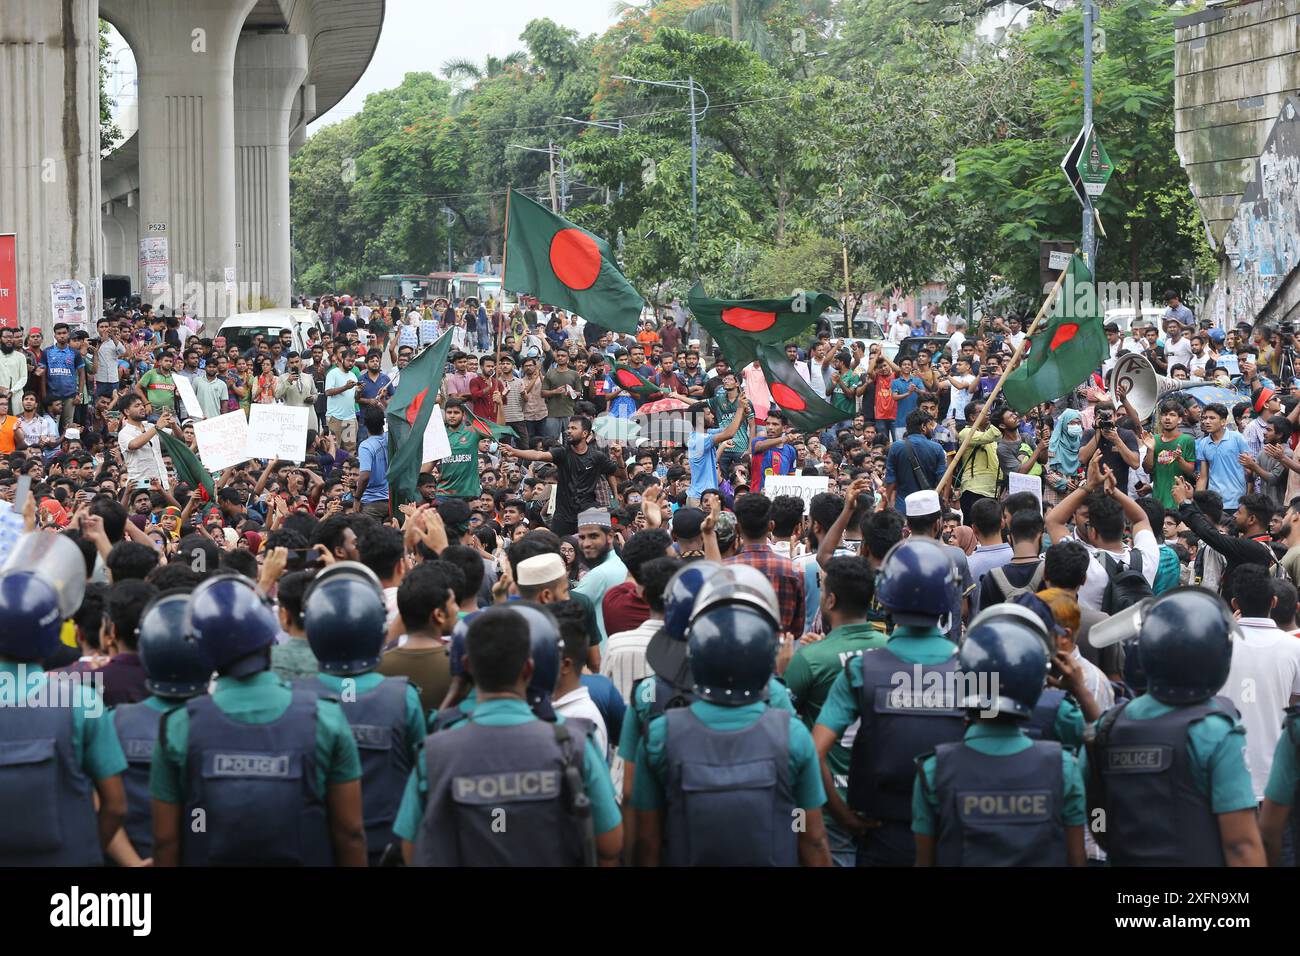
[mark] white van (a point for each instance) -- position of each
(241, 328)
(1124, 318)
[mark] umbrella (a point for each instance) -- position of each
(1208, 394)
(616, 429)
(662, 405)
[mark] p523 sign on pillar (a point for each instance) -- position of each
(8, 281)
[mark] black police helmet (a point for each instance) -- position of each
(345, 618)
(544, 636)
(1004, 660)
(1186, 645)
(174, 666)
(732, 650)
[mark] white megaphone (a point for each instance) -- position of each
(1144, 386)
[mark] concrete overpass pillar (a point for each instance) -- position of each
(269, 70)
(49, 148)
(185, 53)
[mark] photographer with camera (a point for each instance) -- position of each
(1117, 446)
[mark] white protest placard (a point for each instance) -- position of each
(436, 445)
(1031, 483)
(185, 392)
(222, 440)
(800, 486)
(277, 431)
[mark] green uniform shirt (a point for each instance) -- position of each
(159, 389)
(1162, 488)
(912, 645)
(95, 745)
(812, 672)
(996, 738)
(725, 411)
(1284, 775)
(510, 712)
(259, 699)
(1216, 749)
(652, 766)
(458, 473)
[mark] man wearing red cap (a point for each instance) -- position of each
(1266, 403)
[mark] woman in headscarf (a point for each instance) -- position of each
(963, 536)
(1063, 465)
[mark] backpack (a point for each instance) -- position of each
(1009, 591)
(1125, 586)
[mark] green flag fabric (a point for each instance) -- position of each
(188, 467)
(493, 430)
(802, 407)
(566, 266)
(741, 325)
(1068, 346)
(408, 416)
(636, 383)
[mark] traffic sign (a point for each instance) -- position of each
(1094, 166)
(1069, 166)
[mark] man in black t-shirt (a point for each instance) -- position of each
(579, 468)
(1117, 446)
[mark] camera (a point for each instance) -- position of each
(1105, 420)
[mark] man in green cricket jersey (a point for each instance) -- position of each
(726, 405)
(458, 475)
(846, 594)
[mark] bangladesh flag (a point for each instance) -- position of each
(803, 408)
(1069, 345)
(408, 417)
(636, 383)
(188, 467)
(491, 430)
(739, 325)
(566, 266)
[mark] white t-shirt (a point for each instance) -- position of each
(899, 329)
(1180, 352)
(1265, 672)
(954, 343)
(1094, 585)
(578, 703)
(941, 324)
(959, 397)
(1014, 339)
(145, 462)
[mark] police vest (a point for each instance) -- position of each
(378, 721)
(47, 809)
(137, 729)
(1041, 724)
(730, 800)
(661, 696)
(1155, 814)
(899, 722)
(256, 787)
(502, 796)
(1000, 811)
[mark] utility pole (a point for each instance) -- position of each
(555, 202)
(695, 150)
(1089, 221)
(451, 221)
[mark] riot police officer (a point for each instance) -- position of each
(503, 787)
(998, 797)
(55, 752)
(728, 780)
(236, 777)
(175, 671)
(344, 618)
(1168, 767)
(903, 695)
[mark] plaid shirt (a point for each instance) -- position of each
(785, 579)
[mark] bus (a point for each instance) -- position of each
(398, 287)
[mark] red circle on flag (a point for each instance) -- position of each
(787, 398)
(747, 320)
(628, 379)
(575, 259)
(1063, 335)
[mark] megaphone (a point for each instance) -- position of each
(1144, 386)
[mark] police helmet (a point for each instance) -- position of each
(173, 664)
(230, 620)
(1186, 645)
(345, 618)
(680, 594)
(544, 636)
(917, 582)
(29, 608)
(738, 584)
(732, 650)
(1005, 652)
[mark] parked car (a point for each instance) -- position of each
(240, 329)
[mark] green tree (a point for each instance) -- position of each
(109, 134)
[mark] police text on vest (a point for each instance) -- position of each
(77, 909)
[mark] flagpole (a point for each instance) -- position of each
(980, 419)
(505, 254)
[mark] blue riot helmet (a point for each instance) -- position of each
(1004, 661)
(739, 584)
(544, 636)
(917, 582)
(173, 664)
(1134, 676)
(32, 619)
(231, 622)
(1186, 645)
(345, 618)
(680, 594)
(732, 651)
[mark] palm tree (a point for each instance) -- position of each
(744, 21)
(461, 69)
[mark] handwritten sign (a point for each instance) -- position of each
(185, 392)
(223, 440)
(798, 486)
(436, 445)
(277, 431)
(1030, 483)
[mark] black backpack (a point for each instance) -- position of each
(1125, 586)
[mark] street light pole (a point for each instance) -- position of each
(1089, 222)
(451, 221)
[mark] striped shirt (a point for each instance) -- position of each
(623, 662)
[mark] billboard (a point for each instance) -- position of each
(8, 281)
